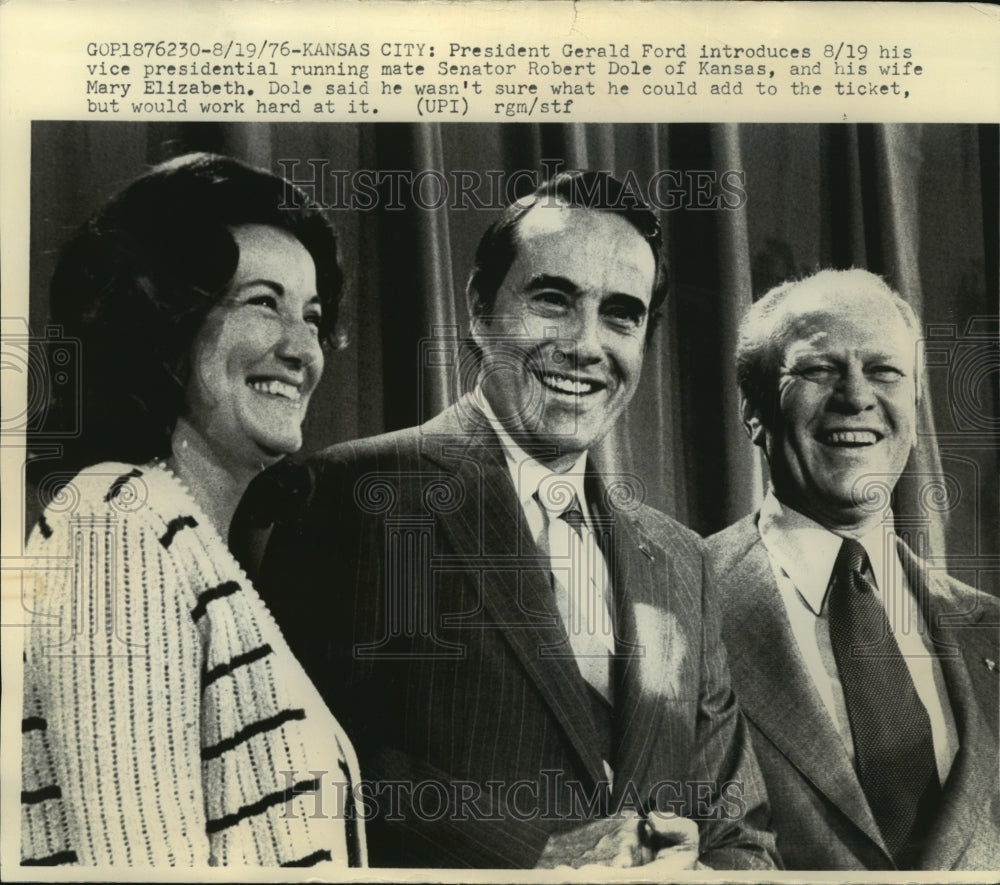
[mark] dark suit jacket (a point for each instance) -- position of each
(415, 596)
(819, 811)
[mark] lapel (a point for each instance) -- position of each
(773, 689)
(646, 676)
(488, 535)
(962, 646)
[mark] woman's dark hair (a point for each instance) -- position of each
(137, 280)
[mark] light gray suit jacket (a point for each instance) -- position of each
(819, 811)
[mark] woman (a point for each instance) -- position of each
(166, 720)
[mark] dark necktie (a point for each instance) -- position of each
(893, 748)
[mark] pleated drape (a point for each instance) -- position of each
(915, 203)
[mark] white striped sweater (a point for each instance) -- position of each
(166, 721)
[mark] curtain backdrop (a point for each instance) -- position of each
(915, 203)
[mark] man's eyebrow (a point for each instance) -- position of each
(626, 300)
(550, 281)
(541, 282)
(834, 355)
(885, 356)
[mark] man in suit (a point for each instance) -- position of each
(524, 654)
(869, 679)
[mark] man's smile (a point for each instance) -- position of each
(846, 438)
(569, 385)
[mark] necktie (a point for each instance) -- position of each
(581, 584)
(893, 748)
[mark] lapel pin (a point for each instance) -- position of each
(640, 543)
(991, 665)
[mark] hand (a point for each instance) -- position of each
(609, 842)
(676, 841)
(627, 840)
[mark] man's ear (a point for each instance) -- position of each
(751, 422)
(476, 322)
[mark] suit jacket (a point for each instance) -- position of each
(819, 812)
(416, 598)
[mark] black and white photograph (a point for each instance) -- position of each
(445, 448)
(505, 496)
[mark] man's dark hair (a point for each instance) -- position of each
(136, 281)
(599, 191)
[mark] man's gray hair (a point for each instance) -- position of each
(765, 324)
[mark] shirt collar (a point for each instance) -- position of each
(806, 551)
(527, 473)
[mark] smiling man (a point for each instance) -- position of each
(563, 337)
(866, 676)
(532, 675)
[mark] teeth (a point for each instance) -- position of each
(568, 385)
(852, 437)
(277, 388)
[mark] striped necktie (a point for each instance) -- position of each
(581, 584)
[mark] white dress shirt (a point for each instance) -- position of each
(802, 554)
(530, 476)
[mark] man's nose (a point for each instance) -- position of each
(586, 336)
(855, 389)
